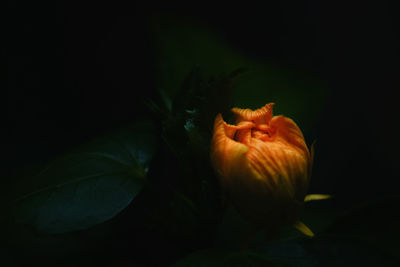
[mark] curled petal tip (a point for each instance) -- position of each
(225, 151)
(261, 115)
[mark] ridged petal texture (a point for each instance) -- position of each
(264, 165)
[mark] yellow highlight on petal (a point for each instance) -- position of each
(312, 197)
(303, 228)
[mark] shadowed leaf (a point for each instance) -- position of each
(87, 186)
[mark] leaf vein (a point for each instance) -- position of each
(76, 180)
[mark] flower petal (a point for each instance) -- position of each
(260, 116)
(284, 169)
(264, 166)
(225, 152)
(286, 130)
(230, 130)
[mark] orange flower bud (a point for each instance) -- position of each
(264, 165)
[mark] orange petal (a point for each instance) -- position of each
(286, 130)
(244, 136)
(284, 168)
(230, 130)
(262, 115)
(225, 152)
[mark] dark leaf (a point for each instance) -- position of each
(87, 186)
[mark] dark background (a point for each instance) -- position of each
(76, 71)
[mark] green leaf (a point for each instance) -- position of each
(87, 186)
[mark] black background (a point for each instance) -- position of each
(78, 70)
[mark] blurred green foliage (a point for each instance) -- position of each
(182, 44)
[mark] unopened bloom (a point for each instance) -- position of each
(264, 165)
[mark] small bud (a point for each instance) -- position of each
(264, 165)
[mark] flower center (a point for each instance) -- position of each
(250, 130)
(261, 135)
